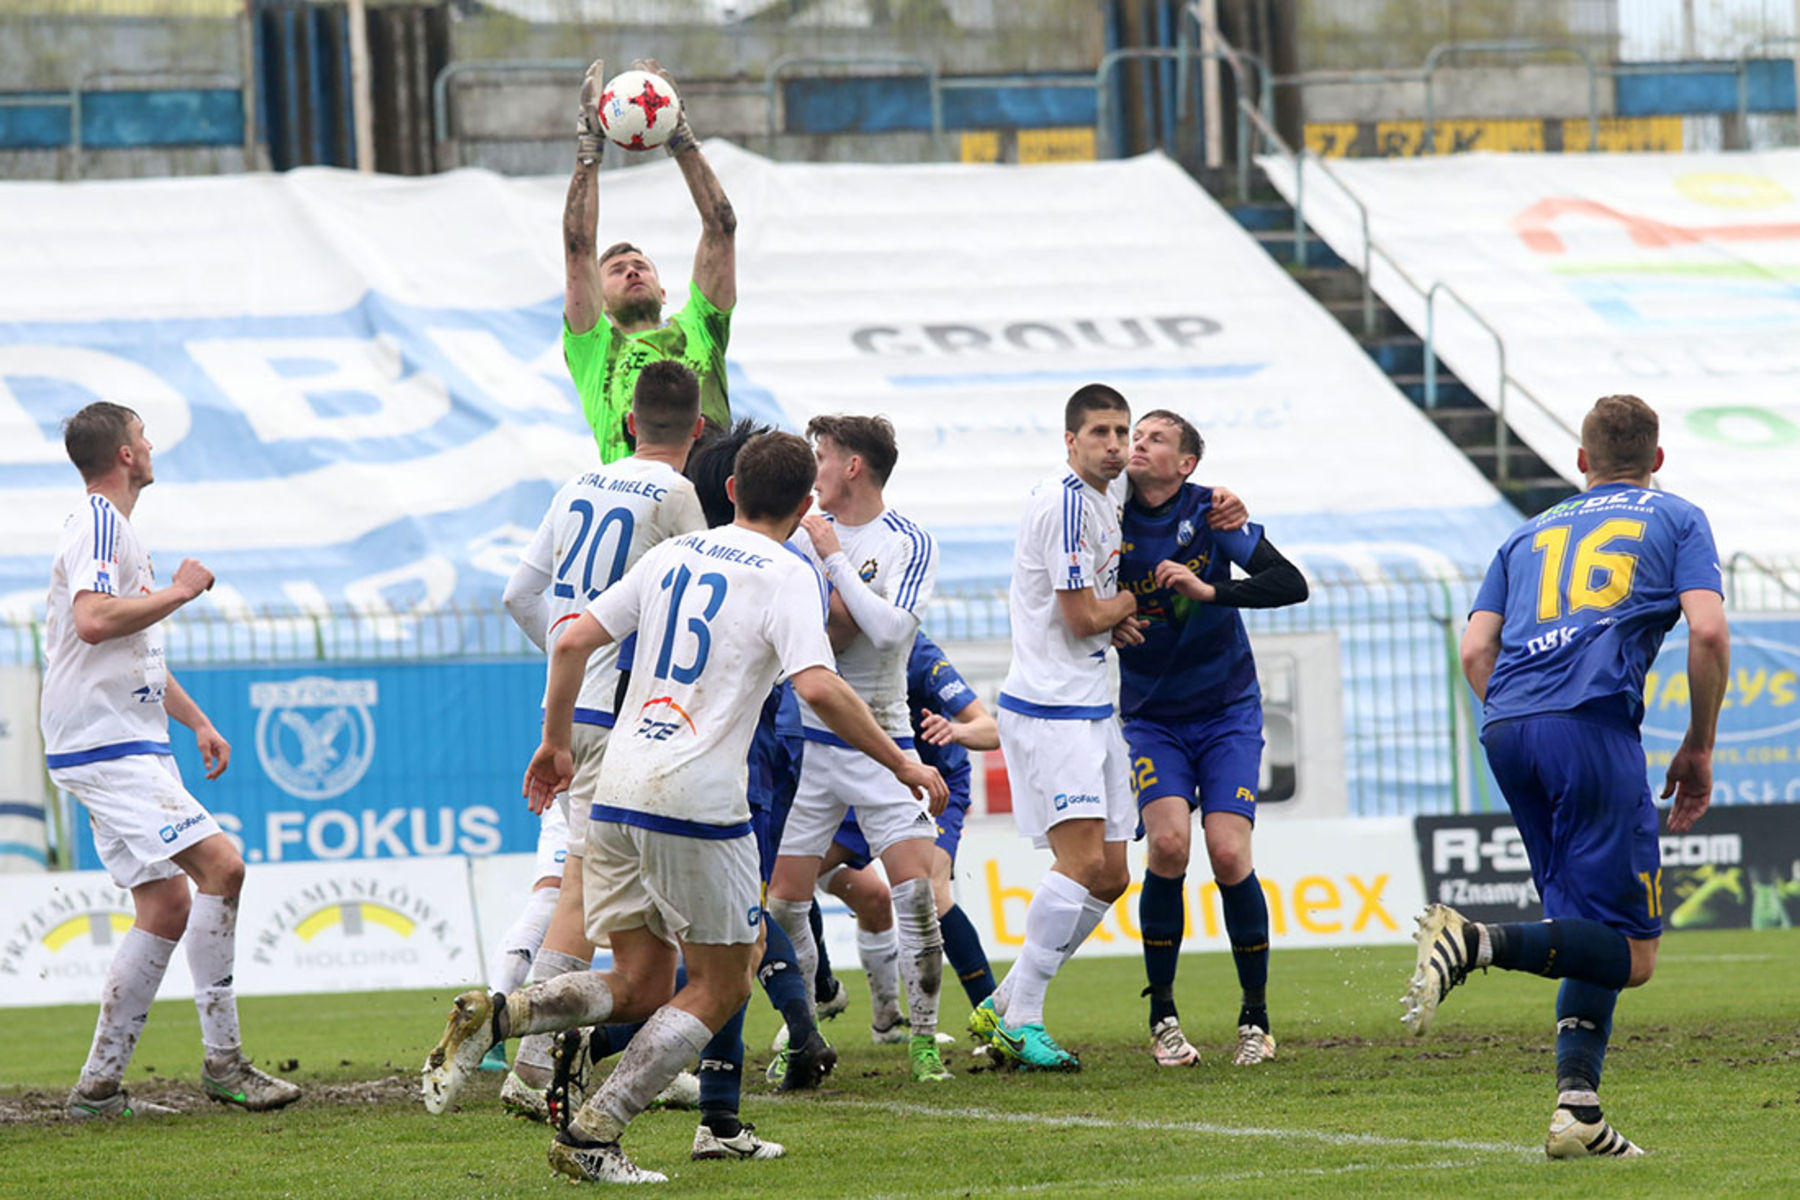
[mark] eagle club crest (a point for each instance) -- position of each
(866, 572)
(315, 737)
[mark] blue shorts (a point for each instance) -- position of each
(1581, 799)
(774, 774)
(949, 831)
(1214, 763)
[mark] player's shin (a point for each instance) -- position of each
(1246, 912)
(668, 1042)
(791, 915)
(211, 941)
(880, 953)
(576, 998)
(1163, 918)
(533, 1060)
(921, 952)
(132, 979)
(1584, 1015)
(786, 985)
(962, 946)
(1052, 924)
(1564, 948)
(722, 1078)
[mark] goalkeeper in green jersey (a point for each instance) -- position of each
(613, 322)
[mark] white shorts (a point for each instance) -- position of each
(587, 744)
(696, 889)
(141, 813)
(1067, 771)
(835, 778)
(553, 841)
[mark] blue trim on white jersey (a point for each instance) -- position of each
(593, 716)
(80, 758)
(907, 594)
(825, 737)
(1073, 499)
(1056, 712)
(674, 825)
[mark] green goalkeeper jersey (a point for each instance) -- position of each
(605, 365)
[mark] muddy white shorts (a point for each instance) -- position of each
(587, 745)
(697, 889)
(834, 778)
(141, 813)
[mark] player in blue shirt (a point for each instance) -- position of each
(948, 720)
(1193, 716)
(1570, 617)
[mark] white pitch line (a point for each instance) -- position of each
(1045, 1120)
(1019, 1189)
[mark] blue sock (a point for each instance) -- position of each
(722, 1076)
(1584, 1014)
(1565, 948)
(1247, 925)
(779, 975)
(823, 979)
(1163, 920)
(962, 946)
(604, 1041)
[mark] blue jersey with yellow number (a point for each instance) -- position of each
(1195, 659)
(931, 682)
(1586, 592)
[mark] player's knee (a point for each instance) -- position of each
(1230, 864)
(1168, 851)
(1114, 878)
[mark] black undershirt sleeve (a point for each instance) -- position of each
(1273, 583)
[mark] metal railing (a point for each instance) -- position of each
(1521, 46)
(1241, 64)
(1299, 160)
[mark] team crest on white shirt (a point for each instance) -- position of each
(866, 572)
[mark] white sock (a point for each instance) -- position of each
(533, 1060)
(670, 1041)
(920, 951)
(577, 998)
(1051, 925)
(795, 919)
(880, 954)
(519, 945)
(131, 982)
(211, 941)
(1092, 913)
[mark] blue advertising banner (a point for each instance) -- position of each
(1757, 758)
(379, 760)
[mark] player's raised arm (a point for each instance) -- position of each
(1689, 779)
(100, 616)
(581, 210)
(715, 259)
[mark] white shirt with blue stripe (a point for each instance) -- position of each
(101, 701)
(1068, 540)
(897, 561)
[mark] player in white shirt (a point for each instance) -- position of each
(108, 695)
(600, 523)
(882, 570)
(1066, 759)
(670, 859)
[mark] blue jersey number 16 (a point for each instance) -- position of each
(1600, 578)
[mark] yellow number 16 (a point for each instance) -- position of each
(1614, 568)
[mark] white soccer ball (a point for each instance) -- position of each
(639, 110)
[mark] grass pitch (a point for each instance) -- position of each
(1704, 1072)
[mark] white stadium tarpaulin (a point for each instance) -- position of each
(355, 388)
(1673, 277)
